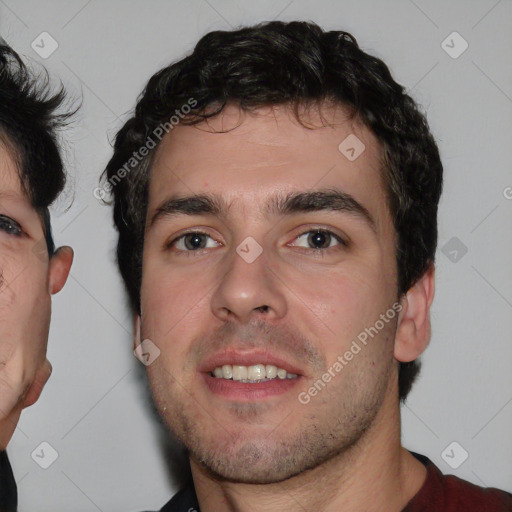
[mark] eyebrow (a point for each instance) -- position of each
(279, 205)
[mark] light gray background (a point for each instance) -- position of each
(94, 409)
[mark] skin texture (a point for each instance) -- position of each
(256, 453)
(28, 278)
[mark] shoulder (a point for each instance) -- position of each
(449, 493)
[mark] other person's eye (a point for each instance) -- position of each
(10, 226)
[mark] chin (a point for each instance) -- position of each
(256, 462)
(248, 471)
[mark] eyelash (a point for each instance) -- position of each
(317, 251)
(10, 226)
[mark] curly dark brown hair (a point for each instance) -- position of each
(295, 64)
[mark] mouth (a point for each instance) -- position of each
(251, 374)
(246, 377)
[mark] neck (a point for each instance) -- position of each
(375, 474)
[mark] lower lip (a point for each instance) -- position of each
(246, 392)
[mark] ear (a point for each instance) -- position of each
(413, 331)
(136, 330)
(58, 270)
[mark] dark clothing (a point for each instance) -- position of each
(448, 493)
(439, 493)
(8, 493)
(185, 500)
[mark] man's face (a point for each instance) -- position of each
(210, 301)
(24, 296)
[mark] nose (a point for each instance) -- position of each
(249, 290)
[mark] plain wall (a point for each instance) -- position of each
(95, 411)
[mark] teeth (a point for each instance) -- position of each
(227, 371)
(271, 371)
(253, 373)
(256, 372)
(239, 372)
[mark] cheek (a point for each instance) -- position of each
(25, 308)
(173, 306)
(21, 278)
(344, 299)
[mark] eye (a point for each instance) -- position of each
(10, 226)
(196, 241)
(192, 241)
(321, 239)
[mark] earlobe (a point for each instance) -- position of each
(413, 331)
(60, 264)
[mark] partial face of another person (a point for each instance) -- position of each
(265, 283)
(27, 278)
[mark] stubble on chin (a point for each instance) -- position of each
(276, 454)
(250, 443)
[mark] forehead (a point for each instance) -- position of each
(13, 198)
(9, 178)
(246, 157)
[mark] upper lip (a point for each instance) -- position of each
(247, 358)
